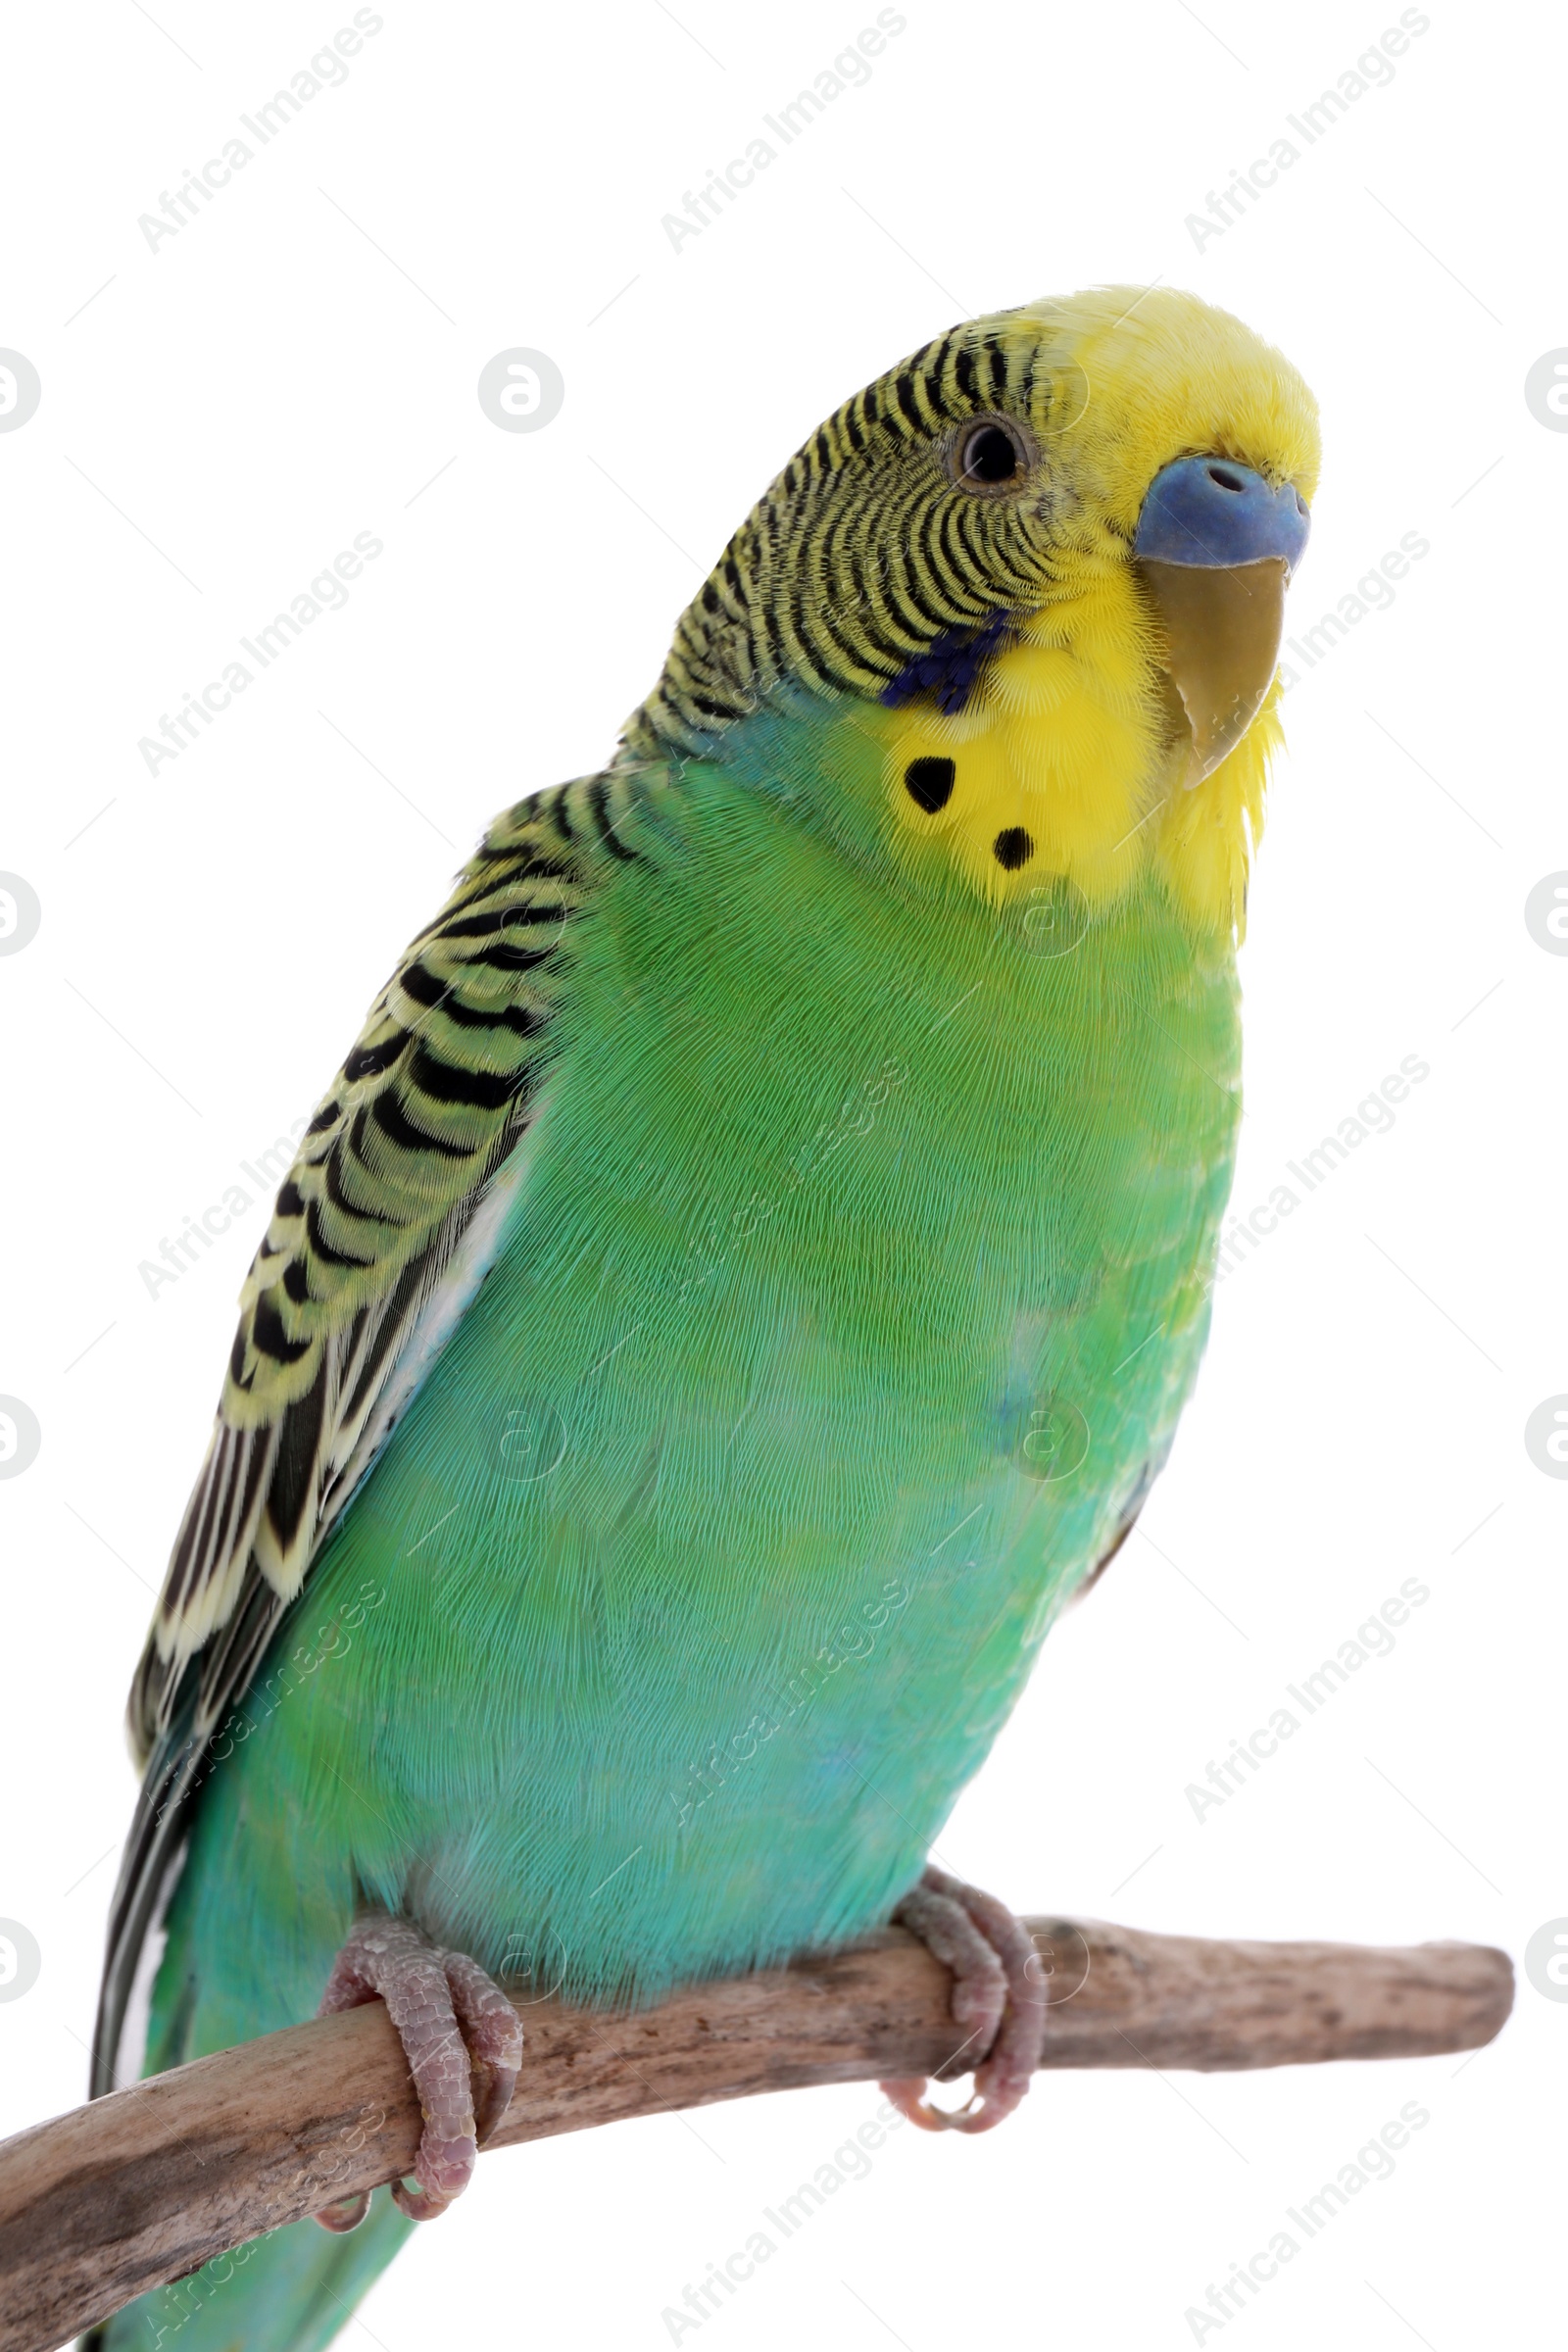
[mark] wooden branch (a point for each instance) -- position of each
(143, 2186)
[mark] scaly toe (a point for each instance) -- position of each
(453, 2022)
(493, 2033)
(446, 2166)
(998, 1990)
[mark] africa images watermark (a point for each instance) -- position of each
(1373, 1638)
(851, 70)
(1373, 593)
(327, 593)
(852, 1642)
(327, 69)
(286, 1676)
(1374, 2160)
(1248, 1229)
(850, 2161)
(1373, 70)
(182, 2298)
(198, 1233)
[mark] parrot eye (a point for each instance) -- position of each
(991, 455)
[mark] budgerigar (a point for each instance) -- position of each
(745, 1276)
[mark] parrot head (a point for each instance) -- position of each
(1040, 568)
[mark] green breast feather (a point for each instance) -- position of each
(842, 1312)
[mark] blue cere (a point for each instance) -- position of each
(1213, 513)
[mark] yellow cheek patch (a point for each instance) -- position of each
(1058, 769)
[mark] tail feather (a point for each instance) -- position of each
(218, 1936)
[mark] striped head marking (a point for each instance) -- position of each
(1036, 575)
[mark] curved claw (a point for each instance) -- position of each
(997, 1989)
(490, 2108)
(457, 2027)
(907, 2094)
(445, 2169)
(347, 2213)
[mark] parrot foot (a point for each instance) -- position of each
(450, 2017)
(998, 1998)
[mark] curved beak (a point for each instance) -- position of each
(1222, 633)
(1216, 548)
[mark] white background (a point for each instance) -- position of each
(298, 365)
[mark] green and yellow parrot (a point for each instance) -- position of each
(744, 1278)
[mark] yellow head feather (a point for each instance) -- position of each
(1066, 737)
(866, 555)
